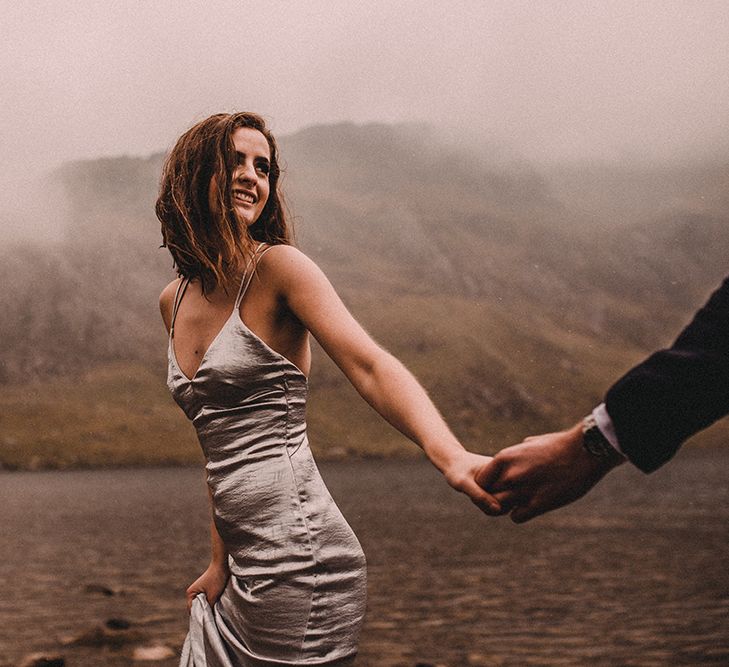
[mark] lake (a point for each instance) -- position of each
(634, 574)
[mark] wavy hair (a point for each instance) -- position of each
(206, 245)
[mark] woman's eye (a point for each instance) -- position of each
(263, 168)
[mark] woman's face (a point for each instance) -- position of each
(250, 187)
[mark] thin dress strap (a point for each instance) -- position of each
(179, 293)
(248, 275)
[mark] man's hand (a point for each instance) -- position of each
(542, 473)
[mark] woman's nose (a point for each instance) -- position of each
(245, 172)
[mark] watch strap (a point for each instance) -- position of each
(597, 444)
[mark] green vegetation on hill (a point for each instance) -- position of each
(509, 292)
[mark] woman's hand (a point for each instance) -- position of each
(212, 582)
(461, 473)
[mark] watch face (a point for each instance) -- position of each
(592, 439)
(597, 444)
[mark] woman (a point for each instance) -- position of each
(286, 581)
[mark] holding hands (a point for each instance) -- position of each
(649, 412)
(543, 473)
(463, 473)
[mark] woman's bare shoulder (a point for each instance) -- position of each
(282, 264)
(167, 299)
(282, 253)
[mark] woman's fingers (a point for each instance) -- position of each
(483, 500)
(508, 499)
(191, 593)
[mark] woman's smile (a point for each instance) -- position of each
(250, 185)
(244, 196)
(250, 179)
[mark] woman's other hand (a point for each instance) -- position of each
(212, 583)
(461, 473)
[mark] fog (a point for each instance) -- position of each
(551, 81)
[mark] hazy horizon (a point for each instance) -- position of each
(621, 82)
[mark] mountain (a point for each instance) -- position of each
(516, 294)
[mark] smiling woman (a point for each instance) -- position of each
(219, 196)
(250, 178)
(286, 582)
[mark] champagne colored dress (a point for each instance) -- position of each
(296, 594)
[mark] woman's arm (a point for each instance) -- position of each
(166, 299)
(378, 376)
(212, 582)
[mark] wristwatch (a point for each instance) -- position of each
(597, 444)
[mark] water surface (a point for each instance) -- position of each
(634, 574)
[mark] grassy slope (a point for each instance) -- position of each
(497, 376)
(119, 414)
(516, 302)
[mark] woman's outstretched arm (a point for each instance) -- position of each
(378, 376)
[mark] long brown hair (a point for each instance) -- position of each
(205, 245)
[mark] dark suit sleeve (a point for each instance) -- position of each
(675, 392)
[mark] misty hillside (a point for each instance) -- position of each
(515, 294)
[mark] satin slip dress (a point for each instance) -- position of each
(297, 590)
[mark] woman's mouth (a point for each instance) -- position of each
(243, 197)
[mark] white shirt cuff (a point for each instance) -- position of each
(605, 424)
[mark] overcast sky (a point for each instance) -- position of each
(557, 80)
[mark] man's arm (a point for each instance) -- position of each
(653, 408)
(676, 392)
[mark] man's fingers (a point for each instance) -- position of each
(526, 513)
(487, 475)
